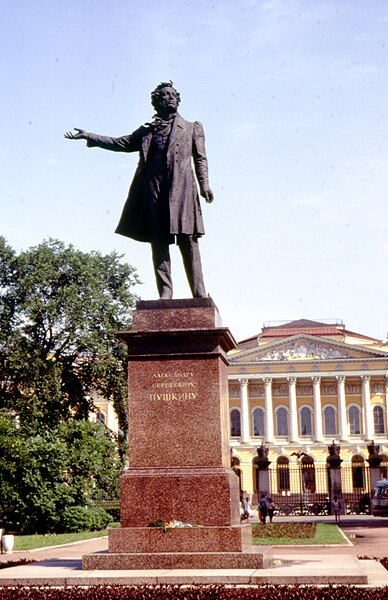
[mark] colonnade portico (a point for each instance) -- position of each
(340, 401)
(299, 389)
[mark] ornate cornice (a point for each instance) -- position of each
(307, 347)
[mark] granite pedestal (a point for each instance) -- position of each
(179, 458)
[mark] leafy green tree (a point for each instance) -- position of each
(59, 311)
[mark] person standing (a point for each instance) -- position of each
(336, 509)
(163, 204)
(263, 509)
(271, 509)
(247, 509)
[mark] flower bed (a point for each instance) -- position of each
(16, 563)
(285, 530)
(195, 592)
(383, 561)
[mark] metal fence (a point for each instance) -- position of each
(306, 489)
(299, 490)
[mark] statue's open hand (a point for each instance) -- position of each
(208, 195)
(80, 135)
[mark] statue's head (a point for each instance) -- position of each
(165, 96)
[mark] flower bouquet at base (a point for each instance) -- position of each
(166, 525)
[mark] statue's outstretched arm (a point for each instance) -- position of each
(80, 135)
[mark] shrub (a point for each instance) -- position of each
(73, 464)
(84, 518)
(194, 592)
(16, 563)
(382, 560)
(114, 513)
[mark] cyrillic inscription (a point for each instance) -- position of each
(173, 386)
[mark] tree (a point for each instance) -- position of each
(41, 476)
(59, 311)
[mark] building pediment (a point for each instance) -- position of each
(305, 347)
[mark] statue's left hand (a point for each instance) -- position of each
(208, 195)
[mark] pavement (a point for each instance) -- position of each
(364, 536)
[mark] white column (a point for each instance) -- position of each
(244, 410)
(318, 427)
(293, 409)
(268, 407)
(386, 403)
(342, 420)
(366, 407)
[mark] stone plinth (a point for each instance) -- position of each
(199, 496)
(178, 449)
(196, 539)
(257, 558)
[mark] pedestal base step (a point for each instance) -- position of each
(153, 540)
(256, 558)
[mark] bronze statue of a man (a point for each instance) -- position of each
(163, 204)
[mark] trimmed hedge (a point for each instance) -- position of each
(114, 513)
(16, 563)
(195, 592)
(84, 518)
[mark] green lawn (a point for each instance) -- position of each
(271, 534)
(30, 542)
(325, 533)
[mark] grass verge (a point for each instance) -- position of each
(32, 542)
(325, 533)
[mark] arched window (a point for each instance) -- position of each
(329, 421)
(283, 474)
(306, 426)
(282, 422)
(378, 419)
(258, 422)
(235, 423)
(308, 474)
(358, 465)
(354, 420)
(384, 466)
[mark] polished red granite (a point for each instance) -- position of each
(196, 539)
(176, 412)
(167, 315)
(199, 496)
(257, 558)
(178, 447)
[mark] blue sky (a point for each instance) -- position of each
(293, 96)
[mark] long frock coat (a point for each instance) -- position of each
(186, 145)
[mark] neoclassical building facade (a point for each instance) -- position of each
(297, 387)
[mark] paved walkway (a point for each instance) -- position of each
(365, 536)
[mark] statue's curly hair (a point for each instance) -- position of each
(156, 92)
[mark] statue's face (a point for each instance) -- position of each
(167, 98)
